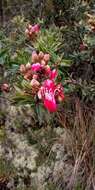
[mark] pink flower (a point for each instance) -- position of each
(31, 31)
(46, 93)
(49, 102)
(36, 67)
(36, 28)
(49, 84)
(53, 74)
(50, 93)
(34, 82)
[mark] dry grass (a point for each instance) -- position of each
(79, 127)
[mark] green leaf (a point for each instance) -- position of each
(26, 85)
(21, 99)
(66, 62)
(3, 52)
(90, 40)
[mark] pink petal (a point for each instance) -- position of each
(49, 84)
(35, 76)
(36, 67)
(50, 103)
(53, 74)
(41, 92)
(39, 95)
(46, 93)
(36, 28)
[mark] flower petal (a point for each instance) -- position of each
(36, 67)
(53, 74)
(49, 84)
(41, 92)
(36, 28)
(50, 103)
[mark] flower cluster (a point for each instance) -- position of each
(42, 78)
(32, 31)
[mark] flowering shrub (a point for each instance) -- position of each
(42, 79)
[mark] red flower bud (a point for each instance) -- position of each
(28, 66)
(43, 63)
(35, 76)
(22, 69)
(47, 70)
(46, 57)
(28, 75)
(35, 83)
(5, 87)
(41, 55)
(35, 57)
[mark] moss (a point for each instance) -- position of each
(51, 186)
(20, 188)
(2, 134)
(79, 187)
(43, 155)
(6, 169)
(45, 140)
